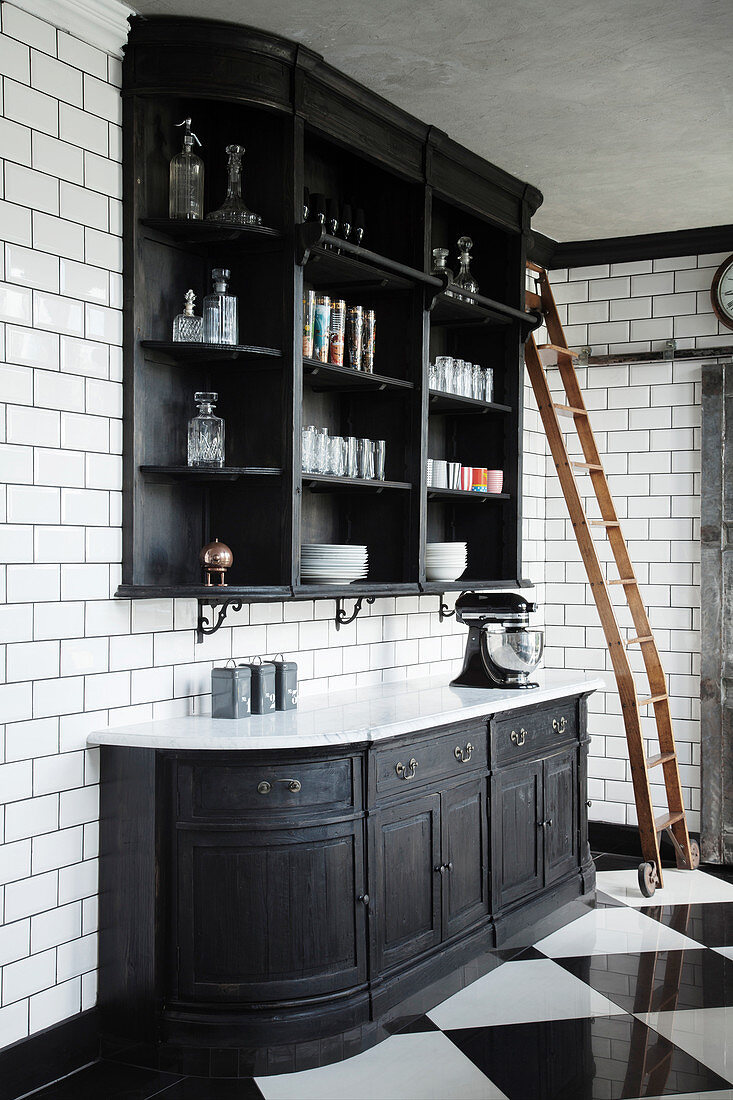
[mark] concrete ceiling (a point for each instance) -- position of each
(620, 111)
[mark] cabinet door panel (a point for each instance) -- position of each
(465, 893)
(270, 915)
(517, 838)
(406, 898)
(561, 807)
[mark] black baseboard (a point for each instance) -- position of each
(53, 1053)
(623, 840)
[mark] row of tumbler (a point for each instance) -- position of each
(464, 379)
(342, 456)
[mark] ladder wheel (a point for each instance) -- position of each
(647, 879)
(695, 853)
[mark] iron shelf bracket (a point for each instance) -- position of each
(342, 619)
(218, 612)
(444, 611)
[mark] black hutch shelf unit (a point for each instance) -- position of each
(304, 124)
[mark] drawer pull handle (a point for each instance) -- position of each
(544, 824)
(364, 899)
(518, 738)
(264, 787)
(443, 867)
(402, 771)
(464, 755)
(559, 727)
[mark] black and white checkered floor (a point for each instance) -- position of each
(632, 999)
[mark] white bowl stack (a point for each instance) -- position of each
(333, 563)
(445, 561)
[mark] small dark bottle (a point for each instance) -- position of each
(359, 226)
(318, 207)
(346, 221)
(306, 204)
(333, 217)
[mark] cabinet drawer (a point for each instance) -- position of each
(398, 768)
(214, 792)
(526, 734)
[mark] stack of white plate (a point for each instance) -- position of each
(331, 563)
(445, 561)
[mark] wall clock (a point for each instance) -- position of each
(721, 292)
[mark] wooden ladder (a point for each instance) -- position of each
(557, 353)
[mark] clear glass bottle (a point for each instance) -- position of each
(220, 311)
(186, 189)
(440, 267)
(464, 278)
(233, 209)
(206, 433)
(187, 328)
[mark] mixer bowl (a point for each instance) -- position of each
(511, 653)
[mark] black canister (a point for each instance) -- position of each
(231, 691)
(263, 686)
(286, 683)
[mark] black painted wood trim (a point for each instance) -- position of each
(644, 246)
(623, 840)
(53, 1053)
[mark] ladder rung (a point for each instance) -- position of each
(603, 523)
(586, 465)
(625, 580)
(532, 300)
(666, 820)
(651, 699)
(663, 758)
(639, 641)
(534, 267)
(550, 353)
(569, 410)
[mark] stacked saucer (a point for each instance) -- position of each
(445, 561)
(332, 563)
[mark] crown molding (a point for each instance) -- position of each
(101, 23)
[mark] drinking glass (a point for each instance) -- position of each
(351, 456)
(308, 454)
(477, 382)
(336, 456)
(322, 453)
(365, 458)
(488, 384)
(379, 450)
(444, 370)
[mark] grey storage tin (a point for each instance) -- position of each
(231, 692)
(263, 687)
(286, 683)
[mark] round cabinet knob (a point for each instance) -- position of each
(364, 899)
(264, 787)
(294, 785)
(449, 865)
(441, 869)
(589, 803)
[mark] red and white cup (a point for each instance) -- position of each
(478, 481)
(494, 480)
(466, 477)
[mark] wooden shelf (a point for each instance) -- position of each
(334, 264)
(356, 589)
(456, 405)
(465, 495)
(469, 584)
(326, 483)
(329, 376)
(213, 474)
(213, 593)
(204, 233)
(206, 353)
(475, 310)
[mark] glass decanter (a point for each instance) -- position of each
(187, 328)
(233, 209)
(464, 278)
(220, 311)
(206, 433)
(186, 183)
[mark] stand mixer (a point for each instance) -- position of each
(501, 649)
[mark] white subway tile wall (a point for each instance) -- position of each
(73, 659)
(646, 417)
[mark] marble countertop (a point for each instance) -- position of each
(345, 717)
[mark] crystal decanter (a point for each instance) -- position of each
(187, 328)
(233, 209)
(206, 433)
(440, 267)
(464, 278)
(220, 311)
(186, 185)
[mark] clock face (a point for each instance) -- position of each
(721, 292)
